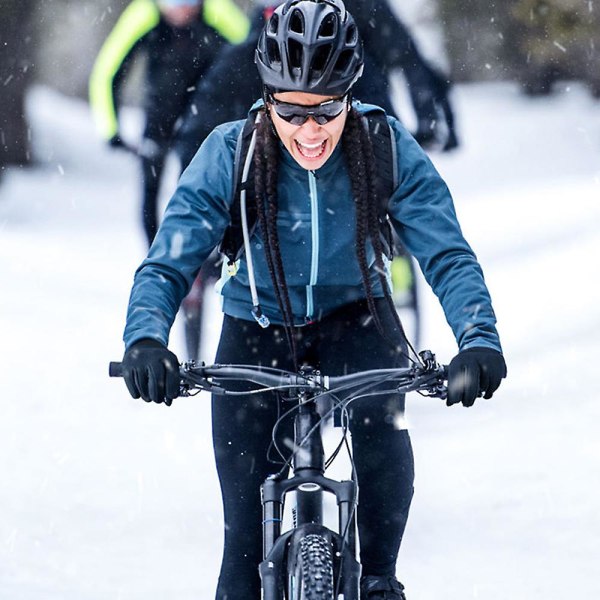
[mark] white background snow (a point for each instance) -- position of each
(106, 497)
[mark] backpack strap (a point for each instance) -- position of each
(383, 141)
(243, 212)
(232, 244)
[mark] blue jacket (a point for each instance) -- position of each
(316, 224)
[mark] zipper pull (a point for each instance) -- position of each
(232, 268)
(261, 319)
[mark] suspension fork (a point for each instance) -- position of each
(308, 463)
(309, 483)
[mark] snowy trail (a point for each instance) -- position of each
(105, 497)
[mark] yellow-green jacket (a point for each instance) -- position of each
(176, 58)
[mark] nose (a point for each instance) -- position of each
(311, 126)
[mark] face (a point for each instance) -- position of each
(310, 144)
(180, 14)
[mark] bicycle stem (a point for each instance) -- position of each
(308, 453)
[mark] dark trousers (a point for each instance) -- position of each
(152, 169)
(344, 342)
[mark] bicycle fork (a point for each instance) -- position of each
(309, 483)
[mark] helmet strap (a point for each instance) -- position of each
(266, 91)
(349, 101)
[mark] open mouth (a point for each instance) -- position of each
(311, 151)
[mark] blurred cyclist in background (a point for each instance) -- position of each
(179, 39)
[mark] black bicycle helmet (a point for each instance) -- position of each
(310, 46)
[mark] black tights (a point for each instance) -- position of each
(152, 169)
(344, 342)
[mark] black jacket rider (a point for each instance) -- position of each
(232, 84)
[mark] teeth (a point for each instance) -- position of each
(311, 146)
(311, 150)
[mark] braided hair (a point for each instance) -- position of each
(358, 151)
(266, 155)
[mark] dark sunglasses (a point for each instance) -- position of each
(297, 114)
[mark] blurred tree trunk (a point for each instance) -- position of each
(16, 62)
(534, 42)
(552, 40)
(70, 34)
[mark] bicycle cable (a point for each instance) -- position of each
(287, 462)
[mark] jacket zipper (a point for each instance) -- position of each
(314, 264)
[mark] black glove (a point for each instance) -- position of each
(151, 371)
(474, 372)
(435, 117)
(116, 142)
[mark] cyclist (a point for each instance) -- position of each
(317, 287)
(179, 39)
(227, 89)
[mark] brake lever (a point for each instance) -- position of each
(193, 378)
(429, 361)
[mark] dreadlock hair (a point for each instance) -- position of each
(266, 155)
(362, 170)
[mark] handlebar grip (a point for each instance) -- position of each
(115, 369)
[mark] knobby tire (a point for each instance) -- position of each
(310, 574)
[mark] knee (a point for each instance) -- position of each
(378, 448)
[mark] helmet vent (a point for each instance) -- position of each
(273, 24)
(352, 35)
(328, 28)
(295, 53)
(297, 22)
(321, 58)
(344, 60)
(273, 52)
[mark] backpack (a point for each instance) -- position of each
(243, 209)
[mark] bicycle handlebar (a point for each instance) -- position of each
(115, 369)
(428, 377)
(145, 149)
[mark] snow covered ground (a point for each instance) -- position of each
(106, 497)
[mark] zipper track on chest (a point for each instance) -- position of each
(314, 225)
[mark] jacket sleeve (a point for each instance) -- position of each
(424, 217)
(139, 18)
(227, 18)
(385, 37)
(193, 224)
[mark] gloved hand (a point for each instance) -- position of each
(435, 117)
(474, 372)
(151, 371)
(116, 142)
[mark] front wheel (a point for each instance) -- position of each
(310, 569)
